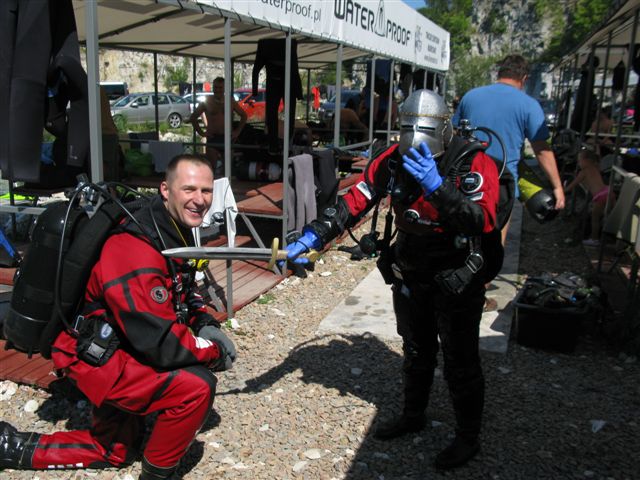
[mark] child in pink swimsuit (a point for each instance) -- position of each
(590, 178)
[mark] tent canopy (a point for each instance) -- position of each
(390, 29)
(620, 26)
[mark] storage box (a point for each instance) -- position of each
(554, 329)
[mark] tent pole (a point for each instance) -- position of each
(228, 114)
(338, 106)
(371, 98)
(155, 93)
(228, 118)
(308, 93)
(285, 138)
(194, 101)
(390, 100)
(95, 119)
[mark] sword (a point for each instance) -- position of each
(271, 255)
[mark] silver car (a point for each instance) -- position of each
(140, 108)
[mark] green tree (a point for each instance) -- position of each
(177, 74)
(472, 72)
(455, 17)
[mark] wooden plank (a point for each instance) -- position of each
(18, 367)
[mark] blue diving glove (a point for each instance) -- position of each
(306, 242)
(225, 346)
(423, 168)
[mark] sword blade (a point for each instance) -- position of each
(220, 253)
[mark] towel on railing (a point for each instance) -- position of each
(301, 207)
(223, 202)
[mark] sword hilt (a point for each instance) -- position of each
(279, 255)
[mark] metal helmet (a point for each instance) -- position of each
(424, 117)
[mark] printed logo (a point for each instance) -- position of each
(105, 330)
(380, 23)
(159, 294)
(418, 34)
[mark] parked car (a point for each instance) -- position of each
(328, 109)
(200, 97)
(549, 109)
(140, 108)
(115, 90)
(253, 105)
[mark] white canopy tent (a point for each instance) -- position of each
(228, 30)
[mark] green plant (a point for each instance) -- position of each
(177, 74)
(266, 298)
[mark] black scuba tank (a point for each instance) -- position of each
(33, 322)
(32, 298)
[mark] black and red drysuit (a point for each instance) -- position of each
(430, 242)
(160, 365)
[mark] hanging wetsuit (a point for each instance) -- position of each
(271, 53)
(39, 57)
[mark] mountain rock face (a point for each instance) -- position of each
(136, 68)
(524, 26)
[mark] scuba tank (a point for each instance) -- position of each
(32, 300)
(539, 201)
(49, 284)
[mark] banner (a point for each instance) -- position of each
(389, 28)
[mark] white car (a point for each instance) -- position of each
(200, 97)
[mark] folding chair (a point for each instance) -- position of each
(622, 221)
(223, 207)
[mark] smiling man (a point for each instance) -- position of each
(133, 351)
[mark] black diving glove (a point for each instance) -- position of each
(225, 345)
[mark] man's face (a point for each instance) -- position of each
(188, 193)
(218, 89)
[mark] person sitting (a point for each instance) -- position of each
(212, 113)
(351, 127)
(602, 124)
(590, 178)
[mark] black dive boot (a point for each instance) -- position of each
(151, 472)
(400, 426)
(458, 453)
(16, 448)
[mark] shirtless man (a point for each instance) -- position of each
(350, 124)
(212, 112)
(591, 179)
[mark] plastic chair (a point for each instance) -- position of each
(623, 220)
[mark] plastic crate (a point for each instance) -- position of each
(555, 329)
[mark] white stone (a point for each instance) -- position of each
(264, 427)
(435, 423)
(356, 372)
(278, 312)
(350, 452)
(313, 454)
(325, 274)
(504, 370)
(240, 466)
(233, 323)
(7, 390)
(299, 466)
(31, 406)
(214, 444)
(228, 461)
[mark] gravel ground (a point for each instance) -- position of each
(301, 406)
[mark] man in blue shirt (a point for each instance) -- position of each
(504, 108)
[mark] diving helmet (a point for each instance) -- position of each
(424, 117)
